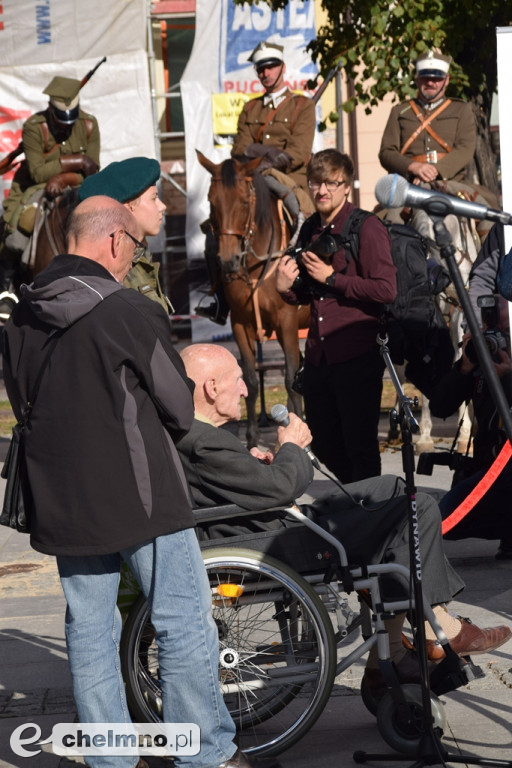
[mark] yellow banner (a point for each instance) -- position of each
(226, 108)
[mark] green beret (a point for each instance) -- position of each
(124, 180)
(63, 89)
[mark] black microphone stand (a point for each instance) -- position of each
(430, 750)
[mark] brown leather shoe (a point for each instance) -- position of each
(471, 640)
(238, 760)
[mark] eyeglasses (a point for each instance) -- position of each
(331, 186)
(140, 248)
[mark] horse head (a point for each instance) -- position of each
(239, 203)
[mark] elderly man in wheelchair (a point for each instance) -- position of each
(280, 579)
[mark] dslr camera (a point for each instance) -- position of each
(494, 338)
(325, 246)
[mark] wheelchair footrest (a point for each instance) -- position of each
(452, 673)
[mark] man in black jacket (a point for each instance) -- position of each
(106, 481)
(368, 517)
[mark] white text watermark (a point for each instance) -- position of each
(70, 739)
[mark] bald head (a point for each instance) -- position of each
(98, 230)
(218, 380)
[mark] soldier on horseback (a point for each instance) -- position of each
(431, 136)
(61, 146)
(278, 126)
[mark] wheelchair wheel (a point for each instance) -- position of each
(277, 652)
(403, 730)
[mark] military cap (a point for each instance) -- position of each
(267, 53)
(124, 180)
(63, 93)
(434, 64)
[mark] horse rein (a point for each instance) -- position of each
(248, 232)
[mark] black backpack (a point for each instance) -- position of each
(417, 332)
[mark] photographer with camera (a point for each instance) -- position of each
(490, 518)
(342, 382)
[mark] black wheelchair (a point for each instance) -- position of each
(286, 604)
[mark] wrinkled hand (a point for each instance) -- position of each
(267, 457)
(297, 432)
(286, 273)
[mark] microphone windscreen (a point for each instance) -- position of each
(279, 413)
(391, 191)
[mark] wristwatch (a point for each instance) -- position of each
(330, 280)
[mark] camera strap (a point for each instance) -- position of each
(349, 235)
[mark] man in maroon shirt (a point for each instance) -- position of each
(343, 368)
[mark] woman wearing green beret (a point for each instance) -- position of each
(133, 183)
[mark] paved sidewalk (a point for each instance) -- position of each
(35, 680)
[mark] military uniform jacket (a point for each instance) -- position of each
(42, 160)
(455, 124)
(143, 277)
(291, 129)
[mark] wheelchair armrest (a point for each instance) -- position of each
(225, 511)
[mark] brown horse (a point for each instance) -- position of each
(252, 236)
(50, 230)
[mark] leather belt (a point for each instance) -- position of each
(431, 157)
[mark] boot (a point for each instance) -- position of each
(291, 203)
(218, 310)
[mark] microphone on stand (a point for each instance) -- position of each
(280, 415)
(393, 191)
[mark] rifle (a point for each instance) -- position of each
(8, 161)
(91, 72)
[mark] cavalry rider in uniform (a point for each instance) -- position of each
(61, 146)
(430, 137)
(278, 126)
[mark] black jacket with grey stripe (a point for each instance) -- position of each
(114, 397)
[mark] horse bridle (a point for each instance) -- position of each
(246, 236)
(248, 230)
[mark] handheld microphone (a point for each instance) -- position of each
(393, 191)
(280, 415)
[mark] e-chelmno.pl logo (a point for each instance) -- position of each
(70, 739)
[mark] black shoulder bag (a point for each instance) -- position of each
(18, 499)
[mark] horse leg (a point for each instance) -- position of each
(425, 442)
(246, 347)
(394, 430)
(464, 439)
(287, 335)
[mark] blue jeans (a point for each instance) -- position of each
(171, 573)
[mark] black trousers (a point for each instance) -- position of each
(342, 407)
